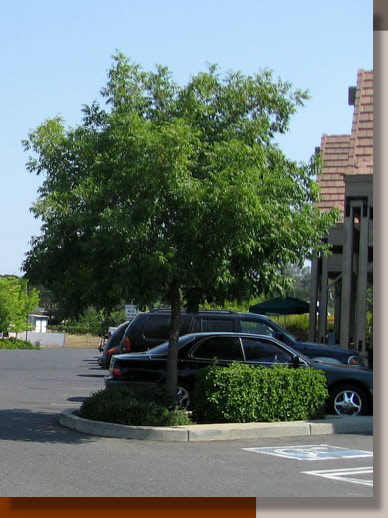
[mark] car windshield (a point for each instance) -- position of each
(116, 336)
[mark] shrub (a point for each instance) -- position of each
(14, 343)
(146, 407)
(245, 393)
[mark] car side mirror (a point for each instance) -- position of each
(296, 361)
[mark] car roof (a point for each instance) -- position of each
(231, 334)
(230, 312)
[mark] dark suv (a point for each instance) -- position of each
(147, 330)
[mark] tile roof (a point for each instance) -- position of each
(361, 142)
(348, 154)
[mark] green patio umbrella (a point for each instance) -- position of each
(281, 306)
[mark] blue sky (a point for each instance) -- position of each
(55, 56)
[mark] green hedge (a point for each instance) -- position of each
(79, 329)
(244, 393)
(147, 407)
(14, 343)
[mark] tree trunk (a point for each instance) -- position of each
(172, 358)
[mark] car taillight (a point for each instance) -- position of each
(115, 370)
(126, 345)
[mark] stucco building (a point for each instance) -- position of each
(347, 184)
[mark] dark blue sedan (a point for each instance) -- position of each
(350, 388)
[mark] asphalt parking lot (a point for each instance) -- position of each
(36, 386)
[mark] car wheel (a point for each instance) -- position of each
(183, 397)
(348, 400)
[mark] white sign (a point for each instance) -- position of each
(130, 311)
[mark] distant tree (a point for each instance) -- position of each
(300, 278)
(91, 321)
(16, 301)
(173, 193)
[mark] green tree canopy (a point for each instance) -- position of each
(173, 192)
(16, 301)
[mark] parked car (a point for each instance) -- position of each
(350, 388)
(148, 330)
(106, 337)
(112, 346)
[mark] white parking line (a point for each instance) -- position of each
(345, 475)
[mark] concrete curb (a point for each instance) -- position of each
(218, 432)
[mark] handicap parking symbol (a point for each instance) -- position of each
(312, 452)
